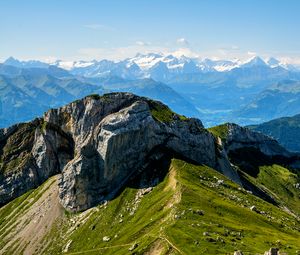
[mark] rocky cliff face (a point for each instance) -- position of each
(98, 143)
(249, 150)
(239, 137)
(30, 154)
(115, 136)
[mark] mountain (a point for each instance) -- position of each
(273, 62)
(26, 95)
(166, 68)
(286, 130)
(106, 68)
(25, 64)
(12, 71)
(174, 64)
(68, 65)
(254, 62)
(123, 174)
(16, 105)
(143, 65)
(152, 89)
(53, 87)
(213, 93)
(207, 65)
(202, 88)
(278, 100)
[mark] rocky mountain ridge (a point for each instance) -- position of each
(187, 86)
(286, 130)
(97, 143)
(100, 142)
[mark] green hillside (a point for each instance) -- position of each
(193, 210)
(286, 130)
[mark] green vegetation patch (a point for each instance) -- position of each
(104, 97)
(11, 213)
(220, 131)
(162, 113)
(194, 210)
(281, 183)
(95, 96)
(226, 222)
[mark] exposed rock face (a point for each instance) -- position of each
(114, 138)
(272, 251)
(249, 150)
(29, 155)
(238, 253)
(240, 137)
(98, 143)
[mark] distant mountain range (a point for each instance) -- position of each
(27, 95)
(157, 66)
(27, 91)
(286, 130)
(121, 174)
(216, 91)
(280, 99)
(164, 67)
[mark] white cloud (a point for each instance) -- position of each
(142, 43)
(289, 60)
(223, 52)
(234, 47)
(182, 41)
(99, 27)
(185, 52)
(118, 53)
(49, 59)
(227, 52)
(251, 53)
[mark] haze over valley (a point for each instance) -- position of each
(194, 87)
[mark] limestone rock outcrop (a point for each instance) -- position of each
(100, 142)
(240, 137)
(29, 155)
(114, 137)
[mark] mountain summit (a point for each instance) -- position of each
(254, 61)
(97, 144)
(119, 173)
(143, 63)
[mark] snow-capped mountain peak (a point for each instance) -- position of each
(11, 61)
(273, 62)
(69, 65)
(254, 61)
(146, 61)
(157, 65)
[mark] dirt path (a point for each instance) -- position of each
(171, 244)
(156, 248)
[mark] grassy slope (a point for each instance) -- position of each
(11, 217)
(279, 182)
(163, 113)
(166, 219)
(219, 131)
(286, 130)
(275, 180)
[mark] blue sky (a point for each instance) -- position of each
(115, 29)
